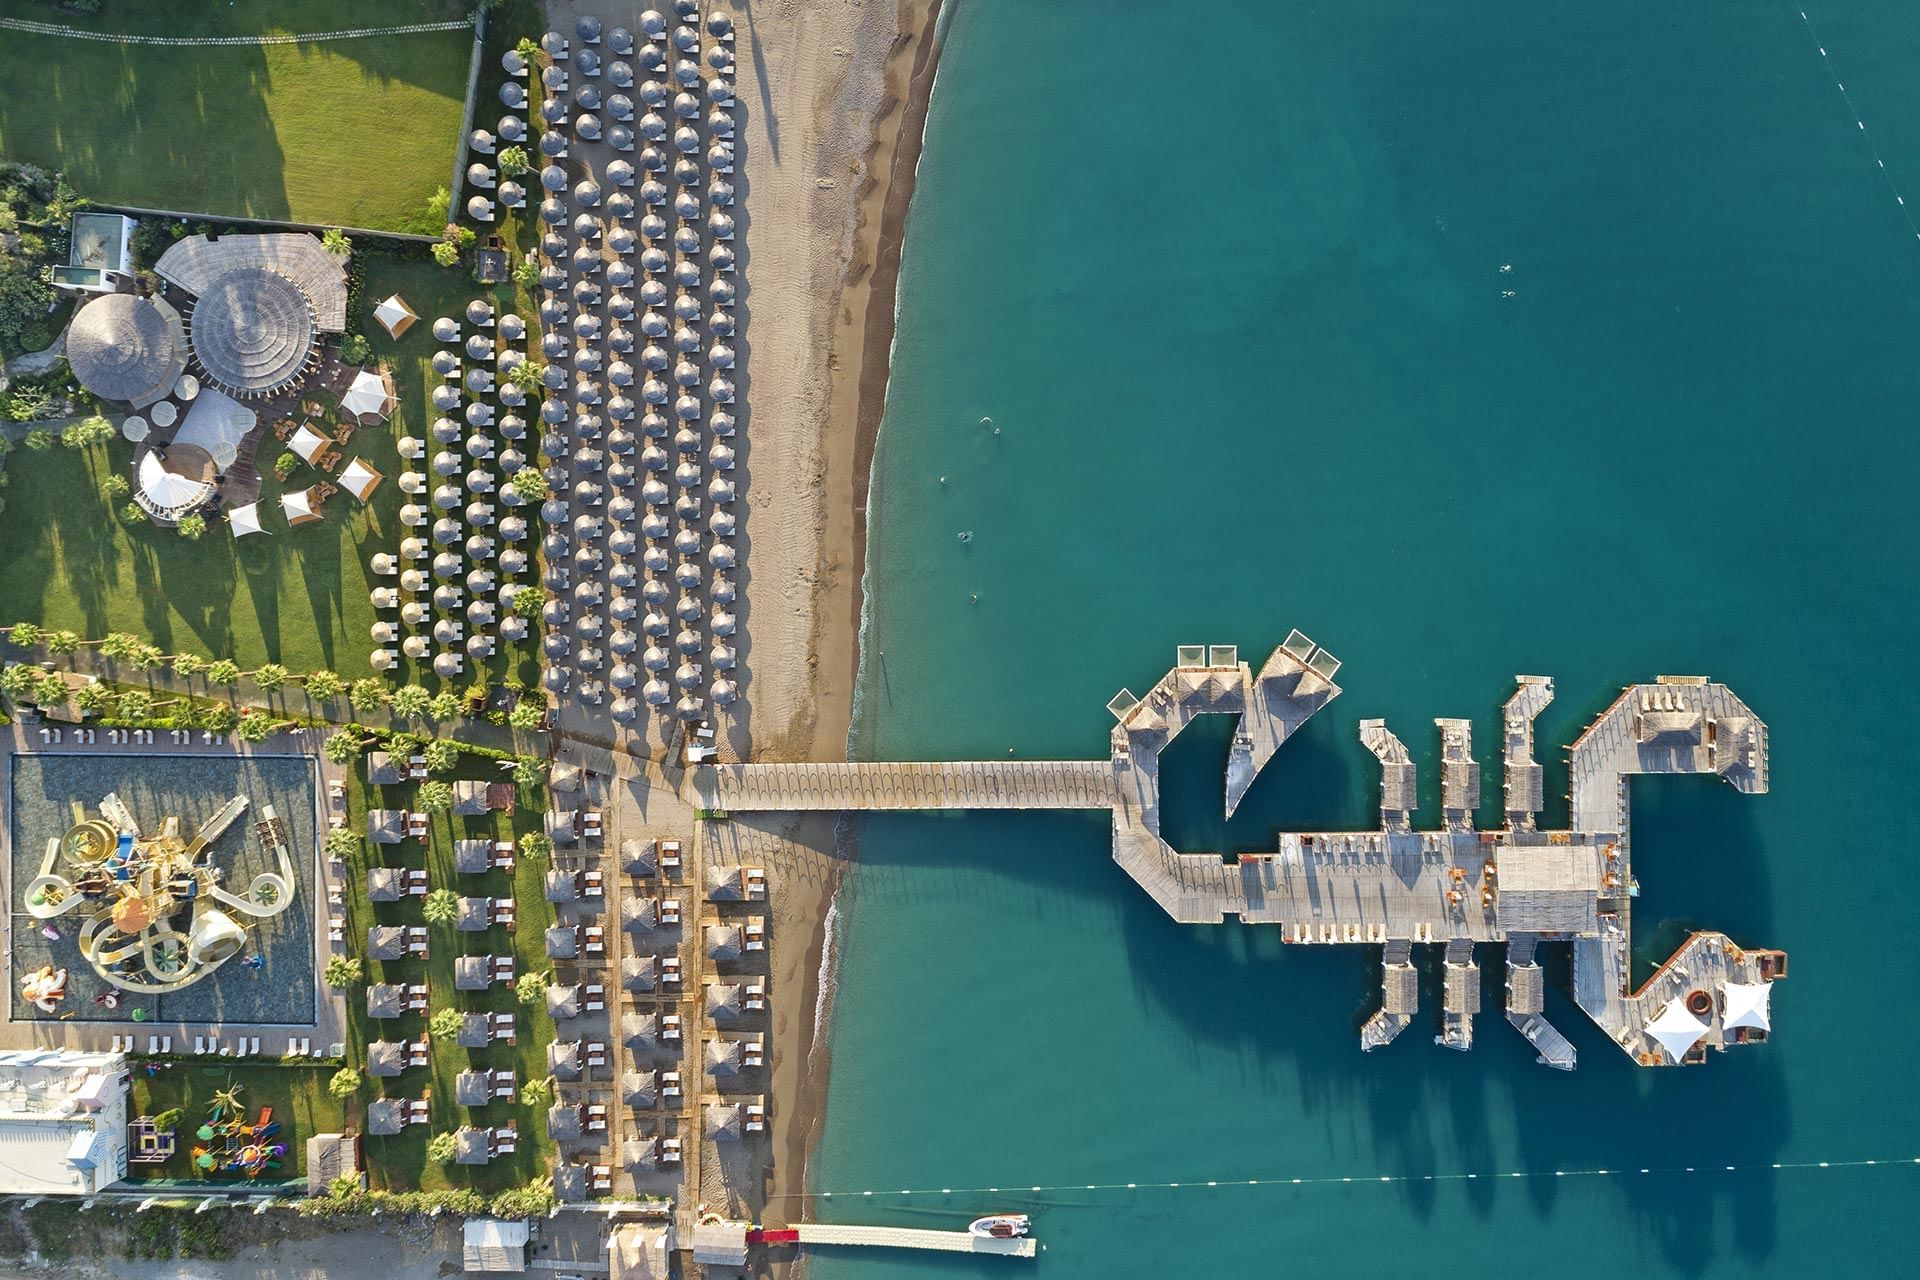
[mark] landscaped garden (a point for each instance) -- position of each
(358, 132)
(402, 1162)
(292, 1097)
(295, 597)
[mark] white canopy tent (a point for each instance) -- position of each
(1747, 1005)
(368, 394)
(394, 315)
(359, 479)
(299, 508)
(1676, 1029)
(307, 442)
(245, 520)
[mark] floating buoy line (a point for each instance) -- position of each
(1860, 121)
(1909, 1163)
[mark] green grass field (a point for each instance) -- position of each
(400, 1162)
(293, 596)
(298, 1095)
(354, 132)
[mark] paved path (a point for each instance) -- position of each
(198, 42)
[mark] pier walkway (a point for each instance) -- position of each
(1392, 886)
(812, 1233)
(992, 784)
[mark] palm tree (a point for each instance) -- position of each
(225, 671)
(536, 846)
(436, 797)
(440, 1148)
(532, 987)
(226, 1102)
(534, 1092)
(344, 971)
(270, 676)
(324, 686)
(342, 746)
(410, 701)
(446, 1024)
(441, 907)
(443, 757)
(344, 1084)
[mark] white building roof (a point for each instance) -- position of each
(63, 1121)
(495, 1244)
(1747, 1005)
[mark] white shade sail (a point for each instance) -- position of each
(307, 443)
(1747, 1005)
(359, 479)
(245, 520)
(1676, 1029)
(167, 491)
(394, 315)
(299, 507)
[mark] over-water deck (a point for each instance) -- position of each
(1394, 886)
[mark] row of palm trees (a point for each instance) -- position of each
(366, 696)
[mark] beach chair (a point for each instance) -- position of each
(596, 945)
(417, 1053)
(418, 1112)
(669, 1086)
(596, 1055)
(602, 1178)
(755, 999)
(590, 822)
(669, 857)
(503, 1027)
(166, 1044)
(503, 913)
(416, 880)
(669, 912)
(417, 942)
(596, 1118)
(592, 884)
(596, 997)
(670, 1028)
(669, 971)
(503, 855)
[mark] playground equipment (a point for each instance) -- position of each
(136, 891)
(228, 1143)
(45, 988)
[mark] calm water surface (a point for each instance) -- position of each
(1232, 295)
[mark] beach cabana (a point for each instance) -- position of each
(562, 886)
(370, 393)
(640, 1088)
(723, 1059)
(387, 942)
(563, 1060)
(640, 973)
(472, 973)
(571, 1184)
(723, 1001)
(382, 771)
(476, 1031)
(386, 1000)
(470, 797)
(299, 508)
(640, 1030)
(1676, 1030)
(472, 1147)
(563, 942)
(722, 1121)
(473, 857)
(384, 884)
(394, 315)
(639, 857)
(473, 1088)
(475, 915)
(386, 826)
(563, 1002)
(566, 1122)
(245, 520)
(386, 1058)
(386, 1117)
(360, 480)
(724, 941)
(1747, 1006)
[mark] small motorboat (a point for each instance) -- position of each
(1000, 1226)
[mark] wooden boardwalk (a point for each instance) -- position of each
(992, 784)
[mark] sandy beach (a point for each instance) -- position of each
(833, 112)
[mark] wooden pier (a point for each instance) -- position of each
(1392, 887)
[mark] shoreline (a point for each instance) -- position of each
(853, 354)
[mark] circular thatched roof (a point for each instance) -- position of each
(123, 347)
(252, 331)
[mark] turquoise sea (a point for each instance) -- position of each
(1228, 282)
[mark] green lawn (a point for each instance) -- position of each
(400, 1162)
(298, 1095)
(293, 596)
(354, 132)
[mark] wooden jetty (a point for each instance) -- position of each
(1392, 887)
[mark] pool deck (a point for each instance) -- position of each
(326, 1027)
